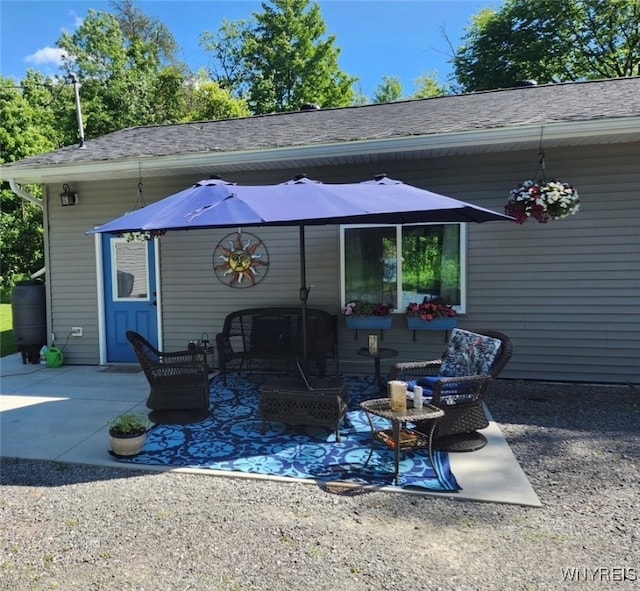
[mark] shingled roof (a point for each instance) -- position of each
(518, 107)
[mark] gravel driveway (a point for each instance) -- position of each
(83, 528)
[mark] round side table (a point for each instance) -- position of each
(383, 353)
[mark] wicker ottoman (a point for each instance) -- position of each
(289, 401)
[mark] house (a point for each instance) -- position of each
(567, 292)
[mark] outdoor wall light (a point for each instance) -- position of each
(67, 197)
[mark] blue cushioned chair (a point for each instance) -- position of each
(457, 383)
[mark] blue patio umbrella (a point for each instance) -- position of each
(216, 203)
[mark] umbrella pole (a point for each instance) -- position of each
(304, 295)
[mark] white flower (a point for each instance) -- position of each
(543, 201)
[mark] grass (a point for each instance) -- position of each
(7, 342)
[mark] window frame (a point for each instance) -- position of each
(460, 309)
(115, 267)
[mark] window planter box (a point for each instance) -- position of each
(369, 322)
(380, 323)
(446, 324)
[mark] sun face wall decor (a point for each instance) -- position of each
(240, 260)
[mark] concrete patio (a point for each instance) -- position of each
(61, 414)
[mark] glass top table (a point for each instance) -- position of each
(399, 438)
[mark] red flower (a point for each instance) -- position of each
(430, 310)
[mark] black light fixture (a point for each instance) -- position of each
(68, 197)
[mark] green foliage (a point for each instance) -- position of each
(427, 86)
(280, 59)
(126, 78)
(128, 424)
(226, 48)
(7, 340)
(389, 90)
(28, 123)
(550, 41)
(27, 129)
(149, 30)
(210, 101)
(21, 238)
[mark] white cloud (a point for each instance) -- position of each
(46, 56)
(78, 20)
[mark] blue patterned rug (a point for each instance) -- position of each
(231, 439)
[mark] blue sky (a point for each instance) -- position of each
(378, 37)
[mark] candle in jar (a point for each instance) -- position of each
(417, 397)
(398, 395)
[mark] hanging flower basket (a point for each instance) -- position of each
(542, 200)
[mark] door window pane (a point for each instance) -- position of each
(131, 270)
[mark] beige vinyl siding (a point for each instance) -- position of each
(71, 269)
(566, 292)
(71, 258)
(194, 300)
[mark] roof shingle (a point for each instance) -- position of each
(581, 101)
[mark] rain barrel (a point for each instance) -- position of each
(28, 304)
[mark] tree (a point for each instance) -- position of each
(550, 41)
(210, 101)
(280, 59)
(125, 81)
(27, 129)
(227, 61)
(427, 86)
(389, 90)
(136, 25)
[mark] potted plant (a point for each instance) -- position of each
(362, 314)
(434, 314)
(128, 433)
(542, 201)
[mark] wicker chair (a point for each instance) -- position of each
(460, 397)
(179, 382)
(268, 340)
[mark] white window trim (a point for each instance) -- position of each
(114, 274)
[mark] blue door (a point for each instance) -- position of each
(129, 294)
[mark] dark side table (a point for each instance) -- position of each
(383, 353)
(399, 438)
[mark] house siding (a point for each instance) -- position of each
(566, 292)
(71, 271)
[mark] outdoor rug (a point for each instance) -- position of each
(231, 440)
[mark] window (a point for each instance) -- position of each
(397, 265)
(130, 269)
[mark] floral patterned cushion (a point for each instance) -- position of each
(469, 354)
